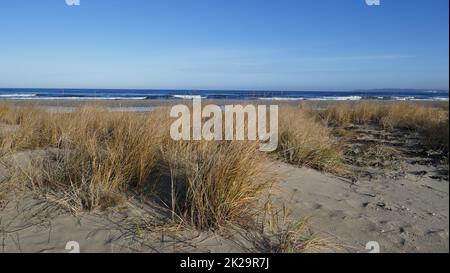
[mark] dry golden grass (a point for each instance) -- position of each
(305, 141)
(431, 122)
(224, 180)
(92, 159)
(5, 189)
(99, 153)
(286, 236)
(95, 156)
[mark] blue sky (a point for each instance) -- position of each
(228, 44)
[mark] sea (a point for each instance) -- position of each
(140, 94)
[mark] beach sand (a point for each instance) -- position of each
(407, 215)
(399, 200)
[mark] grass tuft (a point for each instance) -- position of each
(430, 121)
(306, 142)
(93, 157)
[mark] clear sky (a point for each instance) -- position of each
(225, 44)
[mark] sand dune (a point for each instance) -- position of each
(389, 188)
(406, 215)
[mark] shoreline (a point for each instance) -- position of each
(171, 102)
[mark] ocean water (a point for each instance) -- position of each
(130, 94)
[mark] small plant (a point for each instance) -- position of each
(280, 234)
(306, 142)
(429, 120)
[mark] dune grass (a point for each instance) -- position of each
(95, 156)
(93, 159)
(430, 121)
(284, 235)
(224, 180)
(306, 142)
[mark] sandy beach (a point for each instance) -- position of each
(391, 188)
(225, 136)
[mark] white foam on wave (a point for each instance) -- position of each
(188, 97)
(17, 95)
(76, 98)
(430, 99)
(282, 99)
(404, 98)
(69, 109)
(338, 98)
(442, 99)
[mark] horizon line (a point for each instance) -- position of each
(232, 90)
